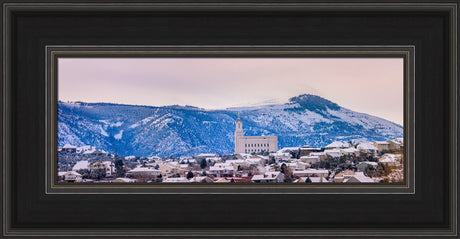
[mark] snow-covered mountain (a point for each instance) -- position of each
(187, 130)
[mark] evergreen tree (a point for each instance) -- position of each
(119, 168)
(203, 164)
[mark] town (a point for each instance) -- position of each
(338, 162)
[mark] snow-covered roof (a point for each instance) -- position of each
(382, 142)
(266, 176)
(389, 158)
(366, 146)
(108, 163)
(400, 140)
(199, 179)
(369, 163)
(235, 161)
(360, 177)
(176, 180)
(317, 153)
(310, 157)
(254, 160)
(206, 155)
(222, 180)
(337, 144)
(69, 146)
(72, 172)
(84, 164)
(312, 171)
(95, 151)
(124, 180)
(394, 141)
(349, 150)
(142, 169)
(315, 179)
(287, 149)
(220, 167)
(333, 152)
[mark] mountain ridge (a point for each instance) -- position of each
(188, 130)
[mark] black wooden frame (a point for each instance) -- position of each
(30, 210)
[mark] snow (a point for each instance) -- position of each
(69, 146)
(337, 144)
(103, 132)
(81, 165)
(166, 131)
(366, 146)
(119, 135)
(176, 180)
(360, 177)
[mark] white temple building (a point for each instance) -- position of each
(253, 144)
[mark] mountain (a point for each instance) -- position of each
(186, 130)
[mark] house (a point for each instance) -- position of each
(222, 180)
(312, 173)
(343, 176)
(95, 152)
(84, 164)
(395, 145)
(109, 168)
(221, 170)
(268, 177)
(279, 156)
(61, 176)
(364, 165)
(310, 159)
(313, 180)
(145, 170)
(168, 169)
(145, 174)
(201, 179)
(334, 153)
(359, 177)
(390, 159)
(176, 180)
(382, 145)
(337, 145)
(349, 151)
(367, 148)
(321, 155)
(124, 180)
(72, 177)
(84, 148)
(297, 166)
(68, 148)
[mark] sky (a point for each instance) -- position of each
(367, 85)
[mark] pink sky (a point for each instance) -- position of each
(368, 85)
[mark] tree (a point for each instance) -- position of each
(157, 166)
(203, 164)
(119, 168)
(189, 175)
(308, 180)
(84, 173)
(97, 173)
(283, 168)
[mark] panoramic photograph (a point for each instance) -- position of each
(230, 120)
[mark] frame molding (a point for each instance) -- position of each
(53, 53)
(8, 7)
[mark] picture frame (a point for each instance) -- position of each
(35, 32)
